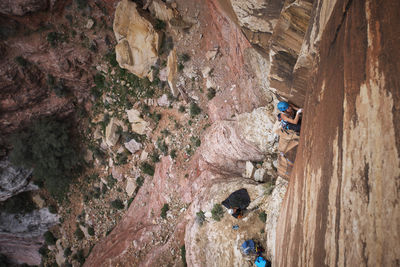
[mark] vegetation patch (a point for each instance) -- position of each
(262, 216)
(147, 168)
(46, 147)
(117, 204)
(49, 238)
(200, 217)
(217, 212)
(164, 210)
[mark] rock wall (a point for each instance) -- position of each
(342, 205)
(13, 180)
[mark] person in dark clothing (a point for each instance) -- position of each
(237, 203)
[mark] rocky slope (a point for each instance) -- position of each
(233, 60)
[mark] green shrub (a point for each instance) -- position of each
(43, 250)
(130, 202)
(111, 181)
(139, 181)
(180, 67)
(147, 168)
(117, 204)
(53, 209)
(79, 256)
(155, 157)
(21, 203)
(195, 141)
(99, 80)
(200, 217)
(183, 255)
(90, 231)
(194, 109)
(21, 61)
(173, 153)
(111, 58)
(67, 252)
(79, 234)
(162, 146)
(269, 187)
(81, 3)
(211, 93)
(184, 57)
(47, 148)
(121, 159)
(217, 212)
(159, 25)
(164, 210)
(54, 38)
(262, 216)
(49, 238)
(182, 109)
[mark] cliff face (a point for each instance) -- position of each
(342, 204)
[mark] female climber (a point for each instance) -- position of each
(289, 119)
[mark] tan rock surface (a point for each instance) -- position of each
(138, 42)
(172, 70)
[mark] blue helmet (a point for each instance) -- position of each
(282, 106)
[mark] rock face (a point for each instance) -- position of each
(21, 235)
(342, 207)
(138, 42)
(138, 125)
(13, 180)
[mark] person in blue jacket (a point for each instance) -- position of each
(289, 116)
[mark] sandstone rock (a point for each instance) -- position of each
(160, 10)
(130, 186)
(89, 24)
(13, 180)
(206, 72)
(249, 170)
(260, 175)
(60, 258)
(97, 133)
(88, 156)
(163, 75)
(256, 15)
(172, 70)
(163, 101)
(117, 173)
(211, 54)
(138, 42)
(112, 135)
(22, 7)
(133, 146)
(143, 155)
(138, 125)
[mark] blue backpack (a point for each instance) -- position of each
(261, 262)
(248, 247)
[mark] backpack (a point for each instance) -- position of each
(261, 262)
(248, 247)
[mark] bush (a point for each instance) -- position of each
(81, 3)
(194, 109)
(121, 159)
(184, 57)
(49, 238)
(117, 204)
(79, 257)
(46, 147)
(155, 157)
(21, 61)
(164, 210)
(53, 209)
(90, 231)
(217, 212)
(130, 202)
(147, 168)
(195, 141)
(162, 146)
(21, 203)
(43, 250)
(54, 38)
(173, 153)
(67, 252)
(269, 187)
(79, 234)
(262, 216)
(139, 181)
(200, 217)
(182, 109)
(159, 25)
(99, 80)
(211, 93)
(111, 58)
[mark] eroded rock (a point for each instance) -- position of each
(13, 180)
(138, 124)
(138, 42)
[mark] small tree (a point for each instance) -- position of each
(164, 210)
(49, 238)
(200, 217)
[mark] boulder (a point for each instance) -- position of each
(160, 10)
(112, 136)
(13, 180)
(249, 170)
(130, 186)
(163, 101)
(138, 42)
(138, 125)
(172, 70)
(260, 175)
(133, 146)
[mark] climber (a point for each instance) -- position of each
(288, 118)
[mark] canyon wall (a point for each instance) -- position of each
(342, 205)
